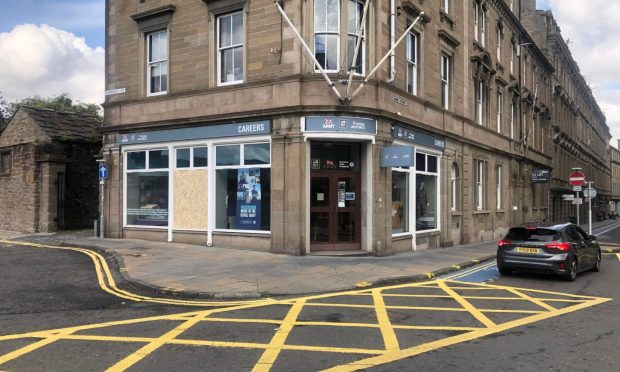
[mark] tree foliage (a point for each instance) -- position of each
(61, 102)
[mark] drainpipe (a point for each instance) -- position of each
(392, 36)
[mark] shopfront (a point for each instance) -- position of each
(339, 181)
(416, 201)
(198, 181)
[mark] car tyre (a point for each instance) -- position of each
(571, 276)
(504, 270)
(597, 266)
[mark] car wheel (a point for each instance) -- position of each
(572, 270)
(597, 266)
(503, 270)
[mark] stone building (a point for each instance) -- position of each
(580, 133)
(48, 173)
(226, 125)
(615, 178)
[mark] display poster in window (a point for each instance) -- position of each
(248, 199)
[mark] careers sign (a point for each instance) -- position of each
(577, 178)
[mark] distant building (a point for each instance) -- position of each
(48, 173)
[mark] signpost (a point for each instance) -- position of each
(577, 178)
(103, 175)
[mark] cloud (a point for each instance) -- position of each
(592, 28)
(47, 61)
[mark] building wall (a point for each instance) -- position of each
(19, 190)
(279, 84)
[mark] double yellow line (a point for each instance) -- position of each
(107, 283)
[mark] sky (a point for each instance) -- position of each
(48, 47)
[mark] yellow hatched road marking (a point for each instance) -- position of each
(270, 355)
(467, 305)
(389, 337)
(406, 353)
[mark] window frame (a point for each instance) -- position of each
(148, 36)
(362, 51)
(498, 187)
(454, 174)
(220, 50)
(336, 33)
(4, 155)
(499, 45)
(191, 157)
(412, 65)
(500, 111)
(446, 65)
(479, 185)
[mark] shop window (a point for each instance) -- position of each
(400, 201)
(192, 157)
(157, 59)
(5, 163)
(230, 40)
(147, 188)
(243, 187)
(426, 192)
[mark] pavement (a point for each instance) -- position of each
(216, 272)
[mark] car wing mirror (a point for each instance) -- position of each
(592, 237)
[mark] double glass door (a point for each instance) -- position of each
(335, 201)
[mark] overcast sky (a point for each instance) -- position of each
(52, 46)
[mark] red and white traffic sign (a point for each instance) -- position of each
(577, 178)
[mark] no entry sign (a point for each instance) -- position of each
(577, 178)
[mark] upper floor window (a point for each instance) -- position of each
(512, 119)
(482, 101)
(480, 23)
(512, 5)
(326, 33)
(445, 6)
(230, 48)
(513, 51)
(499, 45)
(498, 187)
(355, 14)
(412, 63)
(500, 109)
(445, 81)
(157, 59)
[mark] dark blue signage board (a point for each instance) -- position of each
(416, 137)
(203, 132)
(397, 156)
(541, 176)
(103, 172)
(341, 124)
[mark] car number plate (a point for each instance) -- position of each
(528, 250)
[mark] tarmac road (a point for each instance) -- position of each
(54, 315)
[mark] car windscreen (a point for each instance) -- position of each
(532, 235)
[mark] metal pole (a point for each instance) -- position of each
(101, 204)
(577, 198)
(358, 41)
(308, 51)
(590, 205)
(387, 55)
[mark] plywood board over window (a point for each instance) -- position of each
(190, 199)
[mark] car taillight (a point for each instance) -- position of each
(503, 243)
(558, 245)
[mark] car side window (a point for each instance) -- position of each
(573, 234)
(582, 233)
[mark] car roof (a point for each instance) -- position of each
(548, 226)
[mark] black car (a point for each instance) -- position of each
(561, 249)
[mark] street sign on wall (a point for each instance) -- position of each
(577, 178)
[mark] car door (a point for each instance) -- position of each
(579, 247)
(590, 246)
